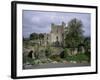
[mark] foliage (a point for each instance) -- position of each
(87, 43)
(88, 53)
(41, 36)
(74, 34)
(48, 51)
(28, 60)
(64, 53)
(35, 36)
(25, 42)
(55, 58)
(78, 57)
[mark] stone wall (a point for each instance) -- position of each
(56, 34)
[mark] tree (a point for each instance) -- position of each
(33, 36)
(87, 42)
(41, 36)
(74, 33)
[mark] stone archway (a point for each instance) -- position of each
(30, 54)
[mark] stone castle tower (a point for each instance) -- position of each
(56, 35)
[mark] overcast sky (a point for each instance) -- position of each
(40, 22)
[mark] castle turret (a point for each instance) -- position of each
(57, 33)
(52, 24)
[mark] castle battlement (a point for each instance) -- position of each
(56, 35)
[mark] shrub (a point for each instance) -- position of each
(78, 57)
(55, 58)
(64, 53)
(48, 52)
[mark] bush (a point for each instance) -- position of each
(28, 60)
(48, 52)
(64, 53)
(78, 57)
(55, 58)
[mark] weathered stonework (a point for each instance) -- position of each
(56, 35)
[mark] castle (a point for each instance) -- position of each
(56, 35)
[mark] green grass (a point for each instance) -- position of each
(78, 58)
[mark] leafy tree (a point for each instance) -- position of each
(87, 42)
(74, 33)
(41, 36)
(33, 36)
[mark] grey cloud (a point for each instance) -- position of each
(38, 21)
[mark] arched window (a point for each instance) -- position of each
(30, 54)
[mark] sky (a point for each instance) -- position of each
(40, 21)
